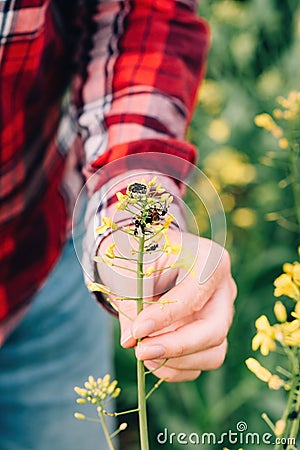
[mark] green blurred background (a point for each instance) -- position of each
(254, 57)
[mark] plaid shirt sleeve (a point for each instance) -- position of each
(140, 63)
(147, 60)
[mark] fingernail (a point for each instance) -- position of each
(144, 329)
(151, 365)
(149, 352)
(126, 340)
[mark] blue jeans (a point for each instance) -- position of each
(64, 338)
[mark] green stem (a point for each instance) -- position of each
(157, 368)
(140, 364)
(295, 182)
(129, 411)
(125, 259)
(105, 430)
(156, 386)
(295, 403)
(290, 432)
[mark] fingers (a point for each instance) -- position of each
(209, 359)
(188, 368)
(207, 330)
(185, 299)
(173, 375)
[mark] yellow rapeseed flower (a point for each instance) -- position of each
(122, 201)
(149, 271)
(185, 262)
(261, 372)
(152, 182)
(296, 273)
(290, 333)
(296, 313)
(168, 220)
(106, 224)
(283, 143)
(265, 337)
(169, 248)
(277, 132)
(277, 113)
(265, 121)
(109, 252)
(107, 261)
(79, 416)
(288, 268)
(280, 312)
(280, 427)
(284, 285)
(291, 104)
(275, 382)
(98, 287)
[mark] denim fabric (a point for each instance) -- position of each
(64, 337)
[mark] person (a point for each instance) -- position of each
(84, 83)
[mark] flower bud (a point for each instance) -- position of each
(280, 312)
(79, 416)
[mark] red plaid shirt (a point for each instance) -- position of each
(83, 83)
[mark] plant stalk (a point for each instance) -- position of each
(295, 182)
(105, 430)
(144, 441)
(293, 404)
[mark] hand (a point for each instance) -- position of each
(189, 332)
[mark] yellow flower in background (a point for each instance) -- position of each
(289, 333)
(284, 285)
(244, 217)
(275, 382)
(296, 273)
(79, 416)
(229, 12)
(261, 372)
(211, 96)
(280, 312)
(296, 313)
(265, 121)
(228, 166)
(219, 130)
(291, 105)
(280, 427)
(109, 252)
(106, 224)
(288, 268)
(283, 143)
(293, 270)
(265, 337)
